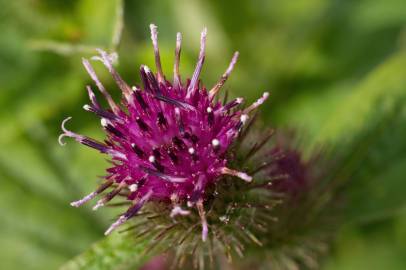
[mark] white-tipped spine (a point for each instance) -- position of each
(257, 103)
(199, 65)
(176, 75)
(225, 76)
(154, 38)
(241, 175)
(133, 187)
(177, 210)
(84, 199)
(215, 143)
(99, 204)
(116, 224)
(202, 214)
(100, 86)
(104, 122)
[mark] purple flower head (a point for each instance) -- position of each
(168, 141)
(290, 172)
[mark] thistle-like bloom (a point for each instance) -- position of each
(168, 142)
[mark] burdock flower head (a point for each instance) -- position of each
(169, 140)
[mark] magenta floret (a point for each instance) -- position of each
(168, 141)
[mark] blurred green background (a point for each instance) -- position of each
(336, 71)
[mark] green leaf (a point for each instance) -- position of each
(117, 251)
(362, 249)
(370, 126)
(41, 224)
(376, 169)
(365, 123)
(381, 87)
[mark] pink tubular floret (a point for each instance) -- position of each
(169, 141)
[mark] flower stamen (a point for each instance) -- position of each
(213, 92)
(199, 65)
(109, 196)
(106, 59)
(100, 86)
(176, 76)
(90, 196)
(257, 103)
(154, 38)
